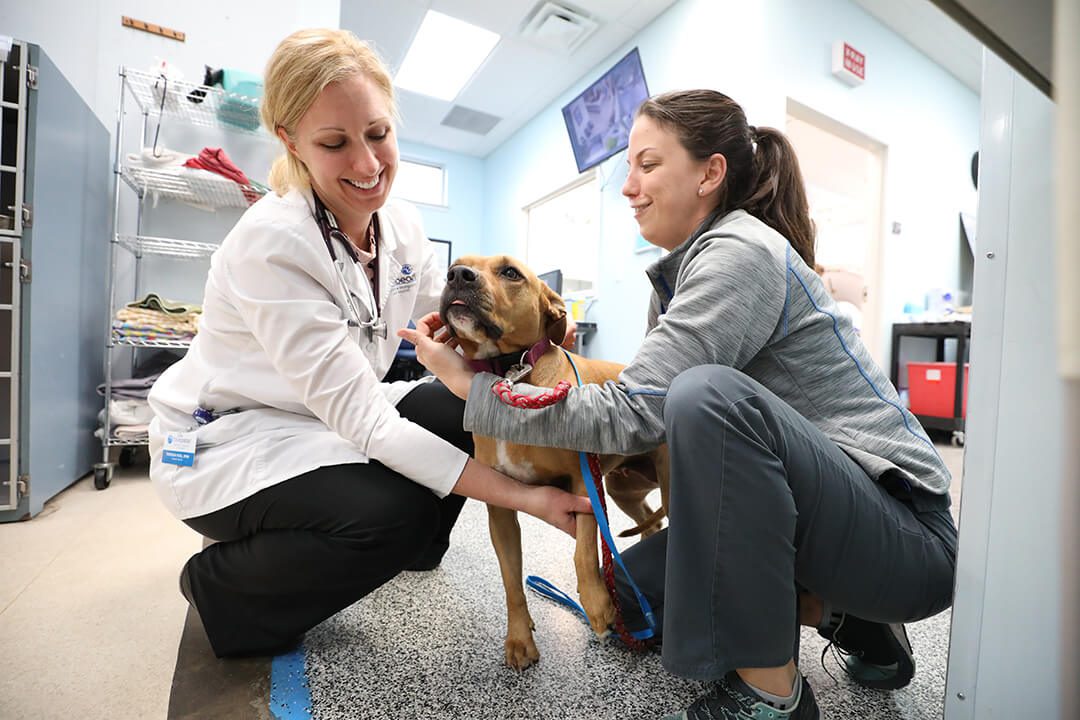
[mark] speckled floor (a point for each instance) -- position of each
(429, 645)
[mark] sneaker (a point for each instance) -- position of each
(733, 699)
(875, 655)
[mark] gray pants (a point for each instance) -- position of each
(763, 505)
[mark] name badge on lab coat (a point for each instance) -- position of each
(179, 449)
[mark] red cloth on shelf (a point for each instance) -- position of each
(216, 161)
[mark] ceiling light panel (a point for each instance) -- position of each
(444, 55)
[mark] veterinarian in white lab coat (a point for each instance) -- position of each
(319, 481)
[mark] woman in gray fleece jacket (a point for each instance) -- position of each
(802, 491)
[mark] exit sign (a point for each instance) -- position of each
(848, 64)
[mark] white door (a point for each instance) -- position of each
(844, 170)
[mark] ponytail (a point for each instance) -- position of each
(778, 196)
(287, 173)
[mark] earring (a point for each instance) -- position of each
(701, 191)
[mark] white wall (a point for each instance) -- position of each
(760, 54)
(1067, 93)
(1007, 618)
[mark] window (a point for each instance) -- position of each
(420, 182)
(564, 234)
(442, 254)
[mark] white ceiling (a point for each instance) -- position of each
(519, 78)
(931, 31)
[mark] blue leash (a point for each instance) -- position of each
(544, 588)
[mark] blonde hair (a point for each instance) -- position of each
(301, 66)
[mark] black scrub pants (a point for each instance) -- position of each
(764, 505)
(292, 555)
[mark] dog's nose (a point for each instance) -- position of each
(460, 275)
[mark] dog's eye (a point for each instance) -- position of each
(512, 273)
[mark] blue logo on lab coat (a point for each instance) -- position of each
(405, 280)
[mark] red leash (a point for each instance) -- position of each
(503, 391)
(609, 567)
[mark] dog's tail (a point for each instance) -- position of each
(647, 526)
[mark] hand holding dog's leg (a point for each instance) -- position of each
(550, 504)
(520, 648)
(559, 508)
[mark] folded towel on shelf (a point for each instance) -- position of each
(153, 301)
(132, 331)
(135, 313)
(157, 318)
(128, 433)
(138, 387)
(151, 320)
(217, 161)
(157, 159)
(132, 432)
(127, 411)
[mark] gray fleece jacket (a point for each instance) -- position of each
(734, 294)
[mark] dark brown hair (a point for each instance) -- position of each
(765, 182)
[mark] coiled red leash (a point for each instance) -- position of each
(504, 391)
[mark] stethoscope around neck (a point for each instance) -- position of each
(374, 326)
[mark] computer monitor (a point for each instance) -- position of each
(553, 278)
(599, 119)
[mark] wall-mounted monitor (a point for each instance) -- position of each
(599, 119)
(553, 279)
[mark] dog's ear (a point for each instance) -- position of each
(554, 314)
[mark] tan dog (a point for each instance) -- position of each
(496, 307)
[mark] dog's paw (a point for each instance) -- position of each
(600, 609)
(520, 654)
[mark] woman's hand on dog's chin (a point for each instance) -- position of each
(438, 354)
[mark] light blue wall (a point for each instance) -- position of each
(461, 221)
(761, 54)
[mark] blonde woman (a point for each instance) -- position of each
(319, 482)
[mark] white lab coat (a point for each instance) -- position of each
(274, 343)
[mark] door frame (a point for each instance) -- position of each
(872, 311)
